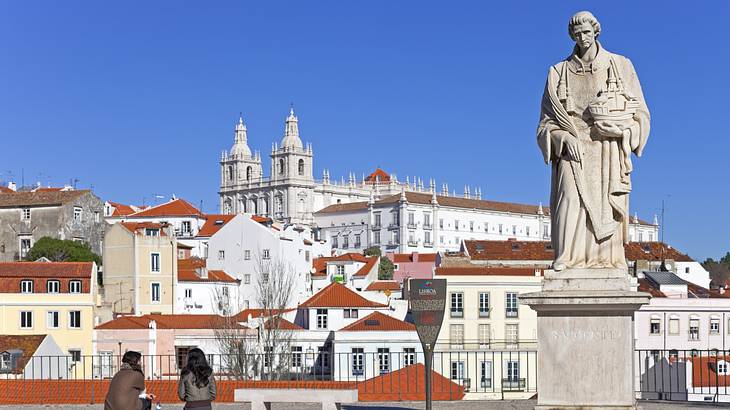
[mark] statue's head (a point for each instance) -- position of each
(584, 29)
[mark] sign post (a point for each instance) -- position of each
(427, 298)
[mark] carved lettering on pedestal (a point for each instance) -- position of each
(586, 335)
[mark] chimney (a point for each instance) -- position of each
(12, 186)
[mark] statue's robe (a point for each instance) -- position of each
(589, 200)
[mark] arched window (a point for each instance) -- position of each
(253, 206)
(230, 172)
(249, 171)
(281, 166)
(301, 167)
(227, 207)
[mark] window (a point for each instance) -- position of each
(266, 254)
(350, 313)
(155, 292)
(281, 166)
(181, 356)
(384, 360)
(6, 361)
(694, 329)
(485, 374)
(77, 213)
(512, 335)
(155, 262)
(74, 319)
(296, 356)
(395, 239)
(334, 242)
(471, 226)
(300, 167)
(265, 277)
(511, 300)
(306, 256)
(358, 361)
(457, 370)
(411, 219)
(500, 229)
(673, 326)
(25, 214)
(321, 318)
(247, 254)
(514, 229)
(25, 245)
(714, 326)
(513, 374)
(456, 335)
(188, 293)
(26, 286)
(52, 319)
(655, 326)
(456, 224)
(457, 304)
(427, 238)
(96, 216)
(186, 228)
(485, 335)
(345, 242)
(527, 231)
(75, 354)
(441, 223)
(324, 356)
(441, 239)
(409, 356)
(340, 269)
(247, 279)
(376, 237)
(74, 286)
(26, 320)
(151, 232)
(545, 231)
(53, 286)
(426, 220)
(357, 240)
(483, 304)
(377, 220)
(221, 255)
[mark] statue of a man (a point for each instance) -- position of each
(593, 116)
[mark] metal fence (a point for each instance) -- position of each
(683, 375)
(496, 374)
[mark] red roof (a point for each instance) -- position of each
(243, 315)
(282, 325)
(27, 344)
(473, 270)
(213, 223)
(509, 250)
(378, 175)
(704, 371)
(693, 291)
(408, 257)
(379, 322)
(408, 384)
(337, 295)
(261, 219)
(135, 226)
(653, 251)
(320, 264)
(171, 322)
(81, 270)
(6, 190)
(186, 272)
(121, 209)
(176, 207)
(381, 285)
(46, 198)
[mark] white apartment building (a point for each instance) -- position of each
(351, 269)
(202, 291)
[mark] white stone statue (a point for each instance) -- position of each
(593, 116)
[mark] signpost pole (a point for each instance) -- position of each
(428, 358)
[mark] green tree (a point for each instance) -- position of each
(386, 267)
(719, 270)
(59, 250)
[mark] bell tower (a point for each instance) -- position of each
(239, 169)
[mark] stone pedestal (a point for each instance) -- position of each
(585, 339)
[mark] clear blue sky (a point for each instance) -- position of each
(139, 98)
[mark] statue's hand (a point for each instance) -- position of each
(609, 129)
(573, 149)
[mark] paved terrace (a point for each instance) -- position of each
(460, 405)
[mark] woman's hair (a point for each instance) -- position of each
(133, 359)
(198, 366)
(583, 17)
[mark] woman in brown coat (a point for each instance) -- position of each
(127, 386)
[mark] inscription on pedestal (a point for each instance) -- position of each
(586, 335)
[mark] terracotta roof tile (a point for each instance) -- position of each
(509, 250)
(213, 223)
(648, 287)
(261, 219)
(704, 370)
(337, 295)
(381, 285)
(6, 190)
(485, 271)
(176, 207)
(378, 175)
(170, 322)
(121, 209)
(408, 384)
(319, 265)
(243, 315)
(27, 344)
(283, 324)
(136, 226)
(368, 267)
(186, 272)
(59, 270)
(379, 322)
(653, 251)
(408, 257)
(18, 199)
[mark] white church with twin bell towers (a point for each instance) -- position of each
(290, 193)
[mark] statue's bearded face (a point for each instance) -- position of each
(584, 35)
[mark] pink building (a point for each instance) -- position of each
(413, 265)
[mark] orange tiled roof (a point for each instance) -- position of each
(379, 322)
(213, 223)
(704, 371)
(186, 272)
(509, 250)
(693, 291)
(647, 287)
(653, 251)
(176, 207)
(378, 175)
(242, 316)
(171, 322)
(320, 264)
(121, 209)
(282, 325)
(368, 267)
(6, 190)
(261, 219)
(474, 270)
(408, 257)
(135, 226)
(381, 285)
(408, 384)
(44, 198)
(45, 269)
(27, 344)
(337, 295)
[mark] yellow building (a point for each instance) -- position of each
(52, 298)
(140, 261)
(488, 340)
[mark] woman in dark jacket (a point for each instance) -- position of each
(127, 386)
(196, 386)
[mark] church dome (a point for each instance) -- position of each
(291, 132)
(240, 146)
